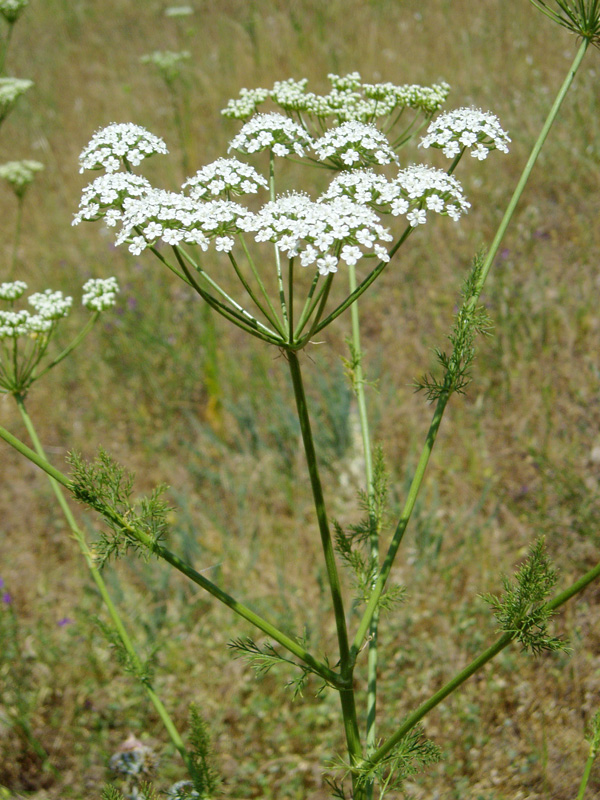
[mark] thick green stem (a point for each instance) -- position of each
(162, 552)
(100, 584)
(346, 696)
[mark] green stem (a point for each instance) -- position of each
(13, 262)
(472, 668)
(11, 25)
(409, 505)
(346, 696)
(284, 312)
(182, 566)
(100, 584)
(586, 774)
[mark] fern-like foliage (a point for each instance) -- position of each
(106, 487)
(206, 778)
(143, 671)
(522, 610)
(263, 659)
(470, 320)
(412, 754)
(353, 544)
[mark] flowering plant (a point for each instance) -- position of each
(286, 250)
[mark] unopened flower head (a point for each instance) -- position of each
(19, 174)
(273, 132)
(466, 128)
(349, 99)
(100, 293)
(12, 290)
(112, 145)
(321, 233)
(246, 104)
(354, 144)
(167, 62)
(10, 91)
(11, 10)
(223, 178)
(179, 11)
(106, 196)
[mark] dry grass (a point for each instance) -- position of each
(517, 457)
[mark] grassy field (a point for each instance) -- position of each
(180, 397)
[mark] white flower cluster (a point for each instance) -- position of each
(49, 306)
(349, 99)
(319, 232)
(466, 128)
(176, 219)
(10, 91)
(11, 10)
(354, 144)
(100, 293)
(274, 132)
(223, 178)
(106, 196)
(112, 145)
(19, 174)
(13, 290)
(413, 192)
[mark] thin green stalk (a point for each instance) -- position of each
(472, 668)
(586, 773)
(284, 312)
(346, 696)
(441, 405)
(182, 566)
(17, 239)
(409, 505)
(11, 25)
(100, 584)
(258, 278)
(272, 319)
(76, 341)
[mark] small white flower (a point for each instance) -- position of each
(138, 244)
(327, 264)
(416, 217)
(224, 244)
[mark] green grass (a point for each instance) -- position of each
(516, 457)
